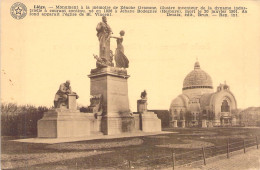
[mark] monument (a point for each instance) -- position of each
(149, 122)
(111, 83)
(64, 120)
(109, 112)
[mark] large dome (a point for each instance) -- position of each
(197, 79)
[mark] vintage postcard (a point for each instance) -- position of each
(130, 84)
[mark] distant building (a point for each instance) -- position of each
(199, 105)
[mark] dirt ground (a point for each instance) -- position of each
(152, 152)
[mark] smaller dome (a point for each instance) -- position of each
(180, 101)
(177, 102)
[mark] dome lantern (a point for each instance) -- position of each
(197, 65)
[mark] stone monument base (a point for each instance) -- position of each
(111, 84)
(141, 105)
(150, 122)
(117, 125)
(63, 123)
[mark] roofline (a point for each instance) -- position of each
(197, 87)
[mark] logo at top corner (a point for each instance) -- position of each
(18, 10)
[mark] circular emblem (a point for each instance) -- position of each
(18, 10)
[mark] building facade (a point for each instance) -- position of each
(199, 105)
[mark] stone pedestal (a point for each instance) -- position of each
(204, 123)
(150, 122)
(234, 121)
(210, 124)
(222, 122)
(117, 125)
(183, 123)
(63, 123)
(174, 124)
(216, 122)
(141, 105)
(111, 83)
(72, 103)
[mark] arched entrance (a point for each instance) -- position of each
(225, 118)
(225, 106)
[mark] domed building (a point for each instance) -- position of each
(199, 105)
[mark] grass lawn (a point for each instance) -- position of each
(152, 152)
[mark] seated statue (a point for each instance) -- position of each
(61, 97)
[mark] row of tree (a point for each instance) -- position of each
(20, 120)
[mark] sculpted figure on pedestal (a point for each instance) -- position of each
(61, 97)
(103, 33)
(105, 57)
(120, 58)
(144, 95)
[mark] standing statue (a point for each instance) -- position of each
(61, 97)
(144, 95)
(103, 33)
(142, 103)
(120, 58)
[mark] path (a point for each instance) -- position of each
(237, 161)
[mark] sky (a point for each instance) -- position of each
(40, 53)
